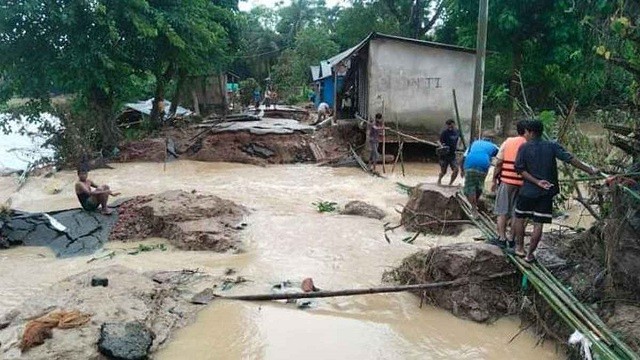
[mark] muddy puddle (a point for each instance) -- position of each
(286, 240)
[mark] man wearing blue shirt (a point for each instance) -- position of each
(536, 162)
(475, 165)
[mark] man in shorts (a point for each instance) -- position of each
(90, 195)
(536, 163)
(475, 166)
(508, 182)
(449, 140)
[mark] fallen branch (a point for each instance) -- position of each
(351, 292)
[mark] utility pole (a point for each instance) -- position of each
(478, 81)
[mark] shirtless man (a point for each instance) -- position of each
(89, 198)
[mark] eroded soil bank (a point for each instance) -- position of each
(599, 265)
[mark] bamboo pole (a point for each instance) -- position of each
(352, 292)
(384, 141)
(562, 301)
(413, 137)
(455, 106)
(594, 317)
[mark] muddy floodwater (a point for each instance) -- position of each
(287, 239)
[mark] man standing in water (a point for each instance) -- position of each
(89, 198)
(509, 183)
(449, 141)
(475, 165)
(536, 163)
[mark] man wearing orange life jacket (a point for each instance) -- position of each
(510, 182)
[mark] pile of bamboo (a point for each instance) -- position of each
(562, 301)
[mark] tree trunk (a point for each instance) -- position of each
(182, 76)
(514, 89)
(196, 104)
(157, 110)
(101, 104)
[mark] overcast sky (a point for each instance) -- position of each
(247, 5)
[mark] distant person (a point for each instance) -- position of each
(475, 166)
(274, 98)
(324, 111)
(257, 97)
(536, 163)
(268, 94)
(92, 196)
(449, 138)
(507, 183)
(375, 131)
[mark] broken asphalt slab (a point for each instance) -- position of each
(85, 231)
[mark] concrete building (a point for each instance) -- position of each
(407, 80)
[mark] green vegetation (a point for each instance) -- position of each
(325, 206)
(104, 52)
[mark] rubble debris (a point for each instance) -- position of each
(204, 297)
(125, 341)
(84, 231)
(258, 150)
(99, 281)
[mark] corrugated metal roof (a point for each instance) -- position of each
(375, 35)
(327, 65)
(144, 107)
(315, 72)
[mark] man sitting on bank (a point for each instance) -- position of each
(92, 196)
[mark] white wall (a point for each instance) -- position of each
(414, 83)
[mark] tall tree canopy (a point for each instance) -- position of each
(100, 50)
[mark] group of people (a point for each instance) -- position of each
(525, 179)
(270, 98)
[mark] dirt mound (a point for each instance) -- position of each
(143, 150)
(622, 244)
(162, 307)
(433, 209)
(479, 300)
(190, 221)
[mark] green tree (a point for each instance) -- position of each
(312, 45)
(75, 46)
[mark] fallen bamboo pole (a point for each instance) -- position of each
(351, 292)
(412, 137)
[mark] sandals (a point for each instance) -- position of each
(530, 260)
(497, 242)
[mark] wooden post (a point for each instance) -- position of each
(455, 106)
(478, 81)
(335, 97)
(384, 141)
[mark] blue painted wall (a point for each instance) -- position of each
(327, 90)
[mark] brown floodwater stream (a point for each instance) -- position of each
(287, 239)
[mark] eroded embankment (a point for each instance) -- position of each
(600, 266)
